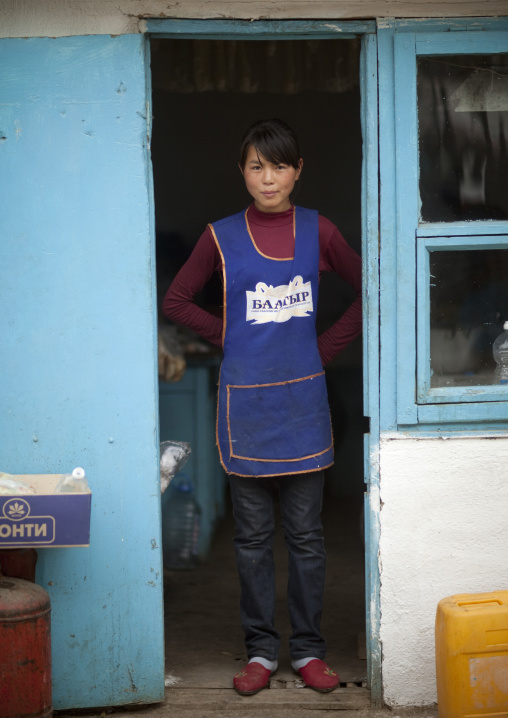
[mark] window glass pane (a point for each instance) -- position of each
(463, 136)
(468, 306)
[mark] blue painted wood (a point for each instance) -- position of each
(370, 253)
(446, 402)
(466, 242)
(406, 163)
(441, 414)
(446, 395)
(474, 43)
(461, 229)
(388, 233)
(372, 575)
(452, 395)
(446, 25)
(79, 347)
(423, 282)
(452, 430)
(217, 29)
(424, 393)
(370, 219)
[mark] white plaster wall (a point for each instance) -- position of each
(55, 18)
(444, 521)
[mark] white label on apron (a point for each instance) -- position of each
(278, 304)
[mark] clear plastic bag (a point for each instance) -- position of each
(9, 486)
(174, 455)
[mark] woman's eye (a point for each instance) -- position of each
(281, 167)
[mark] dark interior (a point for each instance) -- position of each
(205, 94)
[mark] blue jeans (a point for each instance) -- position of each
(301, 499)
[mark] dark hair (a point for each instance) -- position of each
(274, 140)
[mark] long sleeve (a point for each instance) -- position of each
(274, 235)
(337, 256)
(178, 304)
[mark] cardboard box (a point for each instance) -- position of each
(44, 518)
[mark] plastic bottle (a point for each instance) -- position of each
(180, 529)
(75, 483)
(500, 352)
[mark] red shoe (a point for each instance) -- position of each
(253, 678)
(317, 675)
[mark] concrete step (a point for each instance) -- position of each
(277, 698)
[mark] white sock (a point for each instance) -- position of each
(301, 662)
(269, 665)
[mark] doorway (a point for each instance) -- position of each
(204, 94)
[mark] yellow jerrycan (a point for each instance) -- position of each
(472, 655)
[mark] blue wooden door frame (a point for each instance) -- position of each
(304, 30)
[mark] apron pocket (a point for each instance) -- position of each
(286, 421)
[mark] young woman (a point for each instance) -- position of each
(273, 420)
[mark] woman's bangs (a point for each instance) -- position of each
(273, 150)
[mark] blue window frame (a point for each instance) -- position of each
(419, 240)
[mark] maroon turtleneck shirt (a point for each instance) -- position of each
(273, 234)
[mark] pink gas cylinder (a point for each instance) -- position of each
(25, 650)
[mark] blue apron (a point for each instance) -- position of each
(272, 416)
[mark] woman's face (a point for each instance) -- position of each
(270, 185)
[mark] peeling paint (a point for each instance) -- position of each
(335, 28)
(133, 686)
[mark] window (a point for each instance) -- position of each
(452, 228)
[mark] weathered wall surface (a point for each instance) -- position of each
(443, 527)
(54, 18)
(79, 354)
(443, 531)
